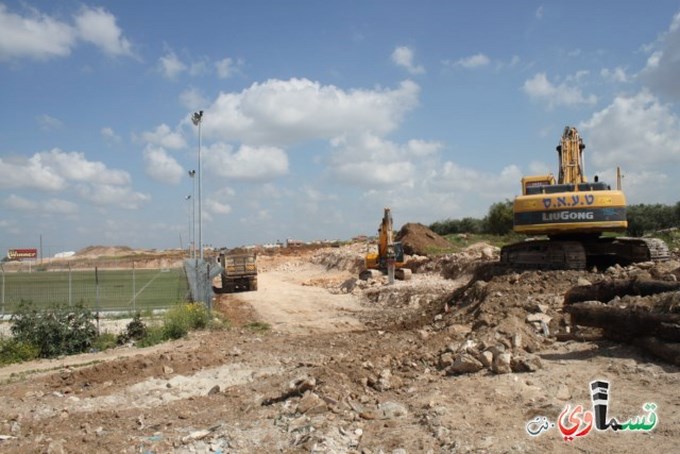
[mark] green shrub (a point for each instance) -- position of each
(183, 318)
(105, 341)
(13, 351)
(258, 326)
(135, 330)
(154, 335)
(54, 332)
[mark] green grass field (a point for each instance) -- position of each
(117, 290)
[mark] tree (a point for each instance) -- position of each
(499, 220)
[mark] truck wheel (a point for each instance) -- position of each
(253, 285)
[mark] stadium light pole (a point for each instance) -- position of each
(192, 174)
(197, 119)
(188, 199)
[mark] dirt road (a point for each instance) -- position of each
(335, 375)
(287, 302)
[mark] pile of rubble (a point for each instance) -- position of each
(512, 316)
(496, 319)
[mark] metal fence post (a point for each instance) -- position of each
(70, 286)
(2, 269)
(96, 281)
(134, 290)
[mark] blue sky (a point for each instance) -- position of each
(318, 113)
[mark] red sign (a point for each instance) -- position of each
(18, 254)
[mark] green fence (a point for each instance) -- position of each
(98, 289)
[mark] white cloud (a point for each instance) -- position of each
(540, 11)
(636, 132)
(109, 134)
(617, 74)
(663, 65)
(225, 68)
(248, 163)
(541, 89)
(56, 170)
(165, 137)
(193, 99)
(35, 36)
(421, 148)
(279, 112)
(471, 62)
(403, 56)
(199, 67)
(217, 207)
(75, 167)
(29, 173)
(106, 194)
(17, 203)
(48, 123)
(382, 174)
(59, 206)
(171, 66)
(453, 177)
(161, 166)
(98, 26)
(372, 162)
(41, 37)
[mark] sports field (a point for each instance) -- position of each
(103, 290)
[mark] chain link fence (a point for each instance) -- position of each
(123, 289)
(200, 275)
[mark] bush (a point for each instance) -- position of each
(54, 332)
(183, 318)
(258, 326)
(154, 335)
(13, 351)
(105, 341)
(135, 330)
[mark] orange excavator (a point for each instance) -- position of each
(574, 213)
(390, 256)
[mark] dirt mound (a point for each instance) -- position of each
(98, 251)
(420, 240)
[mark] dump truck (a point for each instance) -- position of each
(240, 271)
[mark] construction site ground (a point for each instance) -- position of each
(318, 361)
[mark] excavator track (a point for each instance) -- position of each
(577, 255)
(644, 249)
(545, 255)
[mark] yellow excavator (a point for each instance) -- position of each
(574, 213)
(390, 256)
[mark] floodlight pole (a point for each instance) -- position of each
(200, 187)
(192, 232)
(189, 203)
(197, 119)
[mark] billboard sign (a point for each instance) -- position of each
(20, 254)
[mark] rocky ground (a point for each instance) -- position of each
(463, 358)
